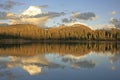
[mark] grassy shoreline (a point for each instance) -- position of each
(21, 41)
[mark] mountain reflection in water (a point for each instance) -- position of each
(33, 61)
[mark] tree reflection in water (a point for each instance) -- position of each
(34, 59)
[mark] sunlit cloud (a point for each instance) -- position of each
(36, 21)
(32, 11)
(8, 16)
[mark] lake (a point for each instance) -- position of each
(63, 61)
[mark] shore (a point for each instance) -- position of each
(22, 41)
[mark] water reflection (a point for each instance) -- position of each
(36, 61)
(63, 49)
(115, 58)
(32, 69)
(84, 64)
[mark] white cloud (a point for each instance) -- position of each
(113, 12)
(32, 11)
(102, 26)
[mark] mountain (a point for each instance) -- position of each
(75, 27)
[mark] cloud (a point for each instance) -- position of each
(66, 20)
(35, 11)
(55, 14)
(39, 19)
(75, 16)
(36, 21)
(84, 16)
(32, 11)
(102, 26)
(113, 12)
(50, 14)
(32, 15)
(35, 16)
(43, 6)
(115, 22)
(8, 15)
(3, 15)
(9, 4)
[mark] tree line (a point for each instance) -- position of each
(75, 32)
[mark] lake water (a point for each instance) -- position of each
(80, 61)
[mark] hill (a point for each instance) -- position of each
(73, 32)
(68, 32)
(26, 31)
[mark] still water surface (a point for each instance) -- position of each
(82, 61)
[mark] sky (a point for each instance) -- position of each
(96, 14)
